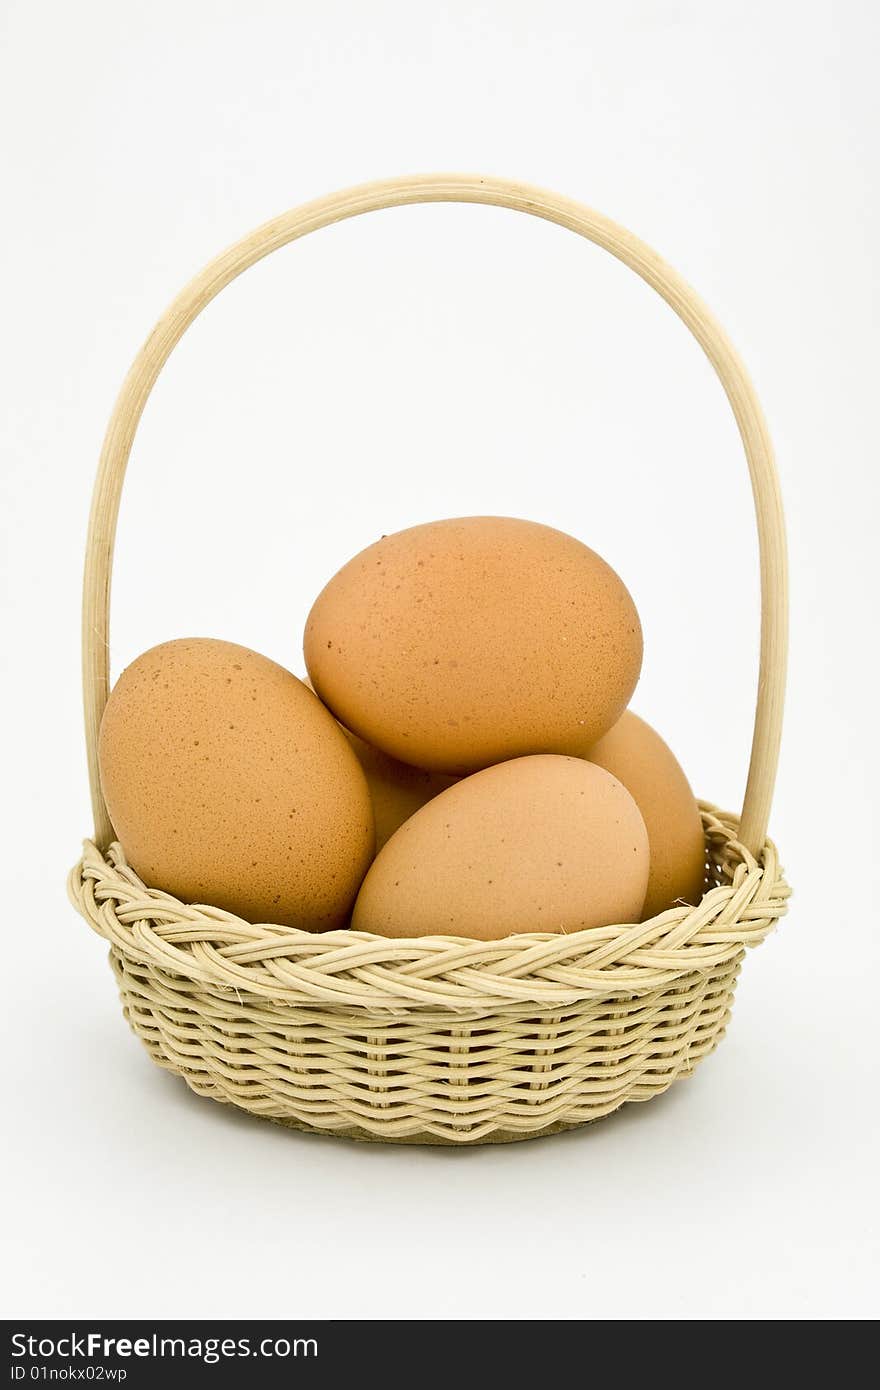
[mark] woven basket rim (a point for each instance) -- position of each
(213, 948)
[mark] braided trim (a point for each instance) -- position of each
(213, 948)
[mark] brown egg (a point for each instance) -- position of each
(637, 756)
(396, 789)
(458, 644)
(228, 782)
(537, 844)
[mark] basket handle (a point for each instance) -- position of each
(453, 188)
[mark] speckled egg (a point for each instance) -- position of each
(458, 644)
(228, 782)
(397, 790)
(637, 756)
(537, 844)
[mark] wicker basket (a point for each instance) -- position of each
(437, 1039)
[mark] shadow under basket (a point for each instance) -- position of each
(437, 1040)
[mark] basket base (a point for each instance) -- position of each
(636, 1049)
(498, 1136)
(426, 1139)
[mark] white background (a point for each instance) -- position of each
(416, 364)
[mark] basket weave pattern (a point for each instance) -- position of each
(434, 1039)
